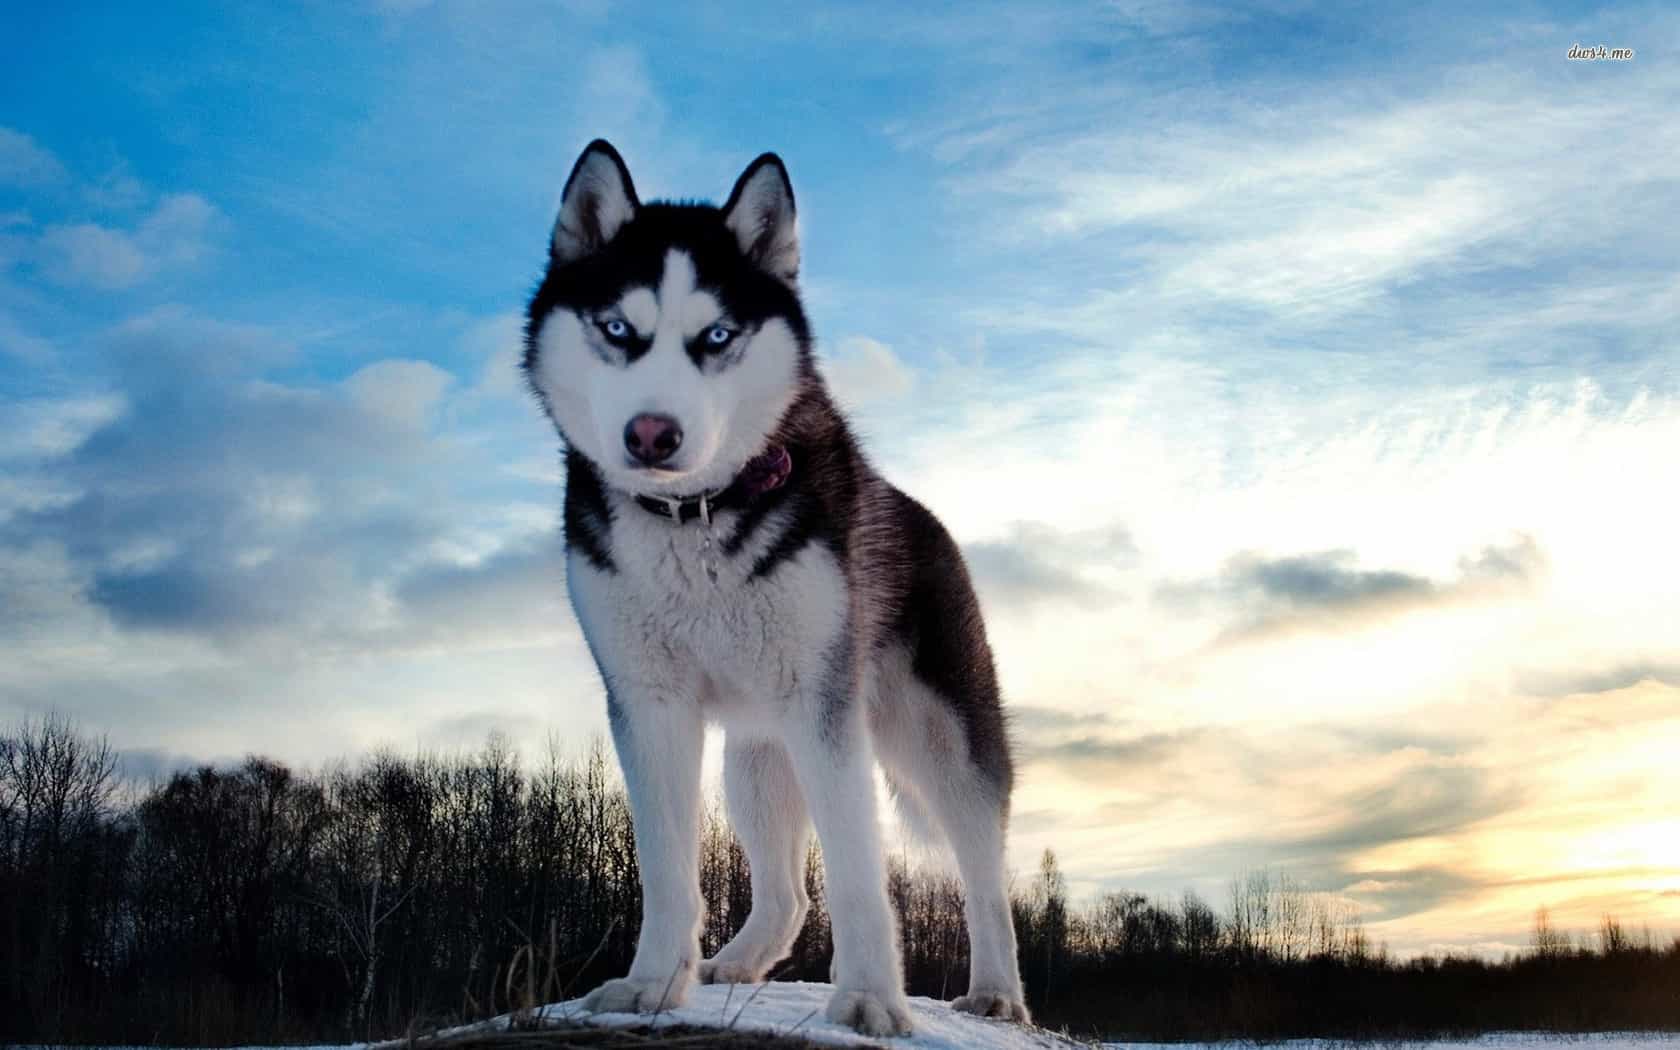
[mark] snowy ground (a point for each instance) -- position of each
(1496, 1041)
(796, 1008)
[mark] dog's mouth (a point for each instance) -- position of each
(658, 480)
(768, 470)
(654, 470)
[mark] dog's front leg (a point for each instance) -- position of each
(659, 738)
(827, 735)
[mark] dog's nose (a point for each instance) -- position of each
(652, 438)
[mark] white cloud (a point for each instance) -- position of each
(116, 190)
(178, 230)
(176, 233)
(87, 253)
(29, 495)
(499, 342)
(171, 344)
(18, 343)
(25, 163)
(1342, 252)
(863, 371)
(1317, 205)
(403, 393)
(50, 429)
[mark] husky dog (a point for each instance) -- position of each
(734, 559)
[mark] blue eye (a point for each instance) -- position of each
(717, 336)
(616, 328)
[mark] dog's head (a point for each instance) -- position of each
(667, 340)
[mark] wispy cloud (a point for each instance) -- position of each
(178, 232)
(20, 344)
(48, 429)
(1036, 563)
(1455, 225)
(864, 370)
(1328, 591)
(1604, 680)
(25, 163)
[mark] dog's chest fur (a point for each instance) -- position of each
(689, 616)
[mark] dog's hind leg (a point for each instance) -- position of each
(926, 751)
(974, 822)
(767, 813)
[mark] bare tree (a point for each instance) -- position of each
(1612, 938)
(1200, 926)
(1548, 942)
(56, 793)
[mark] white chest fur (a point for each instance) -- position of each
(682, 617)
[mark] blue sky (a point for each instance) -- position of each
(1300, 382)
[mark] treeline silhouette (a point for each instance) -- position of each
(397, 894)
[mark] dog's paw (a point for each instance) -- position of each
(871, 1013)
(993, 1004)
(724, 971)
(636, 995)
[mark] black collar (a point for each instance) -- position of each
(770, 470)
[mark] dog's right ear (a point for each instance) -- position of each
(760, 214)
(596, 203)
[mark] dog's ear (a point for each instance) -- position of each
(596, 203)
(760, 214)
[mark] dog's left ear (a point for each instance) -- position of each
(760, 214)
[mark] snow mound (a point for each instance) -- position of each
(796, 1008)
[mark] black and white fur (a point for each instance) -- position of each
(826, 624)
